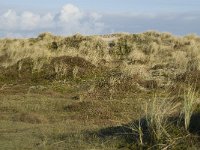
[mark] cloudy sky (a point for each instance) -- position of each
(28, 18)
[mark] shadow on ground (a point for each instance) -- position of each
(129, 138)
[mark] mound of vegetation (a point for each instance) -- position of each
(129, 91)
(150, 55)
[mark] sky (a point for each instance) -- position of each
(28, 18)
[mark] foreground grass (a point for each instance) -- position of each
(54, 119)
(52, 116)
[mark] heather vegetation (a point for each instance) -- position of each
(118, 91)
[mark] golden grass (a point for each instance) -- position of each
(189, 104)
(147, 49)
(157, 113)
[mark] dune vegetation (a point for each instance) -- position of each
(118, 91)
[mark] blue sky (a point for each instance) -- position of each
(25, 18)
(106, 5)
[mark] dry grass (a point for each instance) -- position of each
(189, 105)
(56, 89)
(147, 49)
(157, 113)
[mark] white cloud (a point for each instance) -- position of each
(29, 21)
(70, 13)
(95, 16)
(73, 20)
(9, 20)
(48, 17)
(69, 20)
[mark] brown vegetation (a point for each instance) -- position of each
(134, 91)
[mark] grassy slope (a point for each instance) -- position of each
(83, 92)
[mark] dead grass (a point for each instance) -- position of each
(54, 90)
